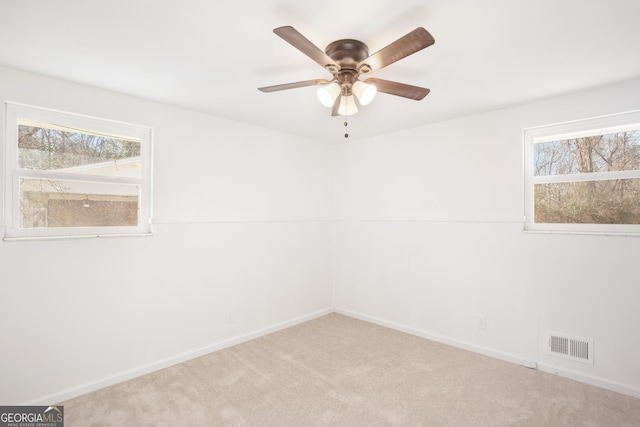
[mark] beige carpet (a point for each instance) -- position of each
(339, 371)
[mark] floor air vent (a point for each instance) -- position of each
(571, 347)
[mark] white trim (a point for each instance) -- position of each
(67, 176)
(165, 363)
(75, 120)
(618, 387)
(117, 378)
(507, 357)
(581, 232)
(578, 128)
(518, 360)
(610, 123)
(212, 219)
(427, 219)
(16, 113)
(582, 177)
(79, 235)
(206, 219)
(591, 229)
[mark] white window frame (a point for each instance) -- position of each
(602, 125)
(13, 174)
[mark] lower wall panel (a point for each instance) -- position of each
(119, 307)
(438, 279)
(155, 366)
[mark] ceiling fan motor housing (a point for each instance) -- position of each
(347, 52)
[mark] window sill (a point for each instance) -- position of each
(586, 233)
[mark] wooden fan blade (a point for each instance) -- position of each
(294, 85)
(300, 42)
(399, 89)
(410, 43)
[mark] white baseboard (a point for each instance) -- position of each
(587, 379)
(591, 380)
(435, 337)
(161, 364)
(165, 363)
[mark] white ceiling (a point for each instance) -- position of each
(212, 55)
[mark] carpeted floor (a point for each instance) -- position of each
(339, 371)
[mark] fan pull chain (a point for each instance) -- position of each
(346, 114)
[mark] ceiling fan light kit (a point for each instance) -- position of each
(328, 93)
(347, 60)
(365, 92)
(347, 106)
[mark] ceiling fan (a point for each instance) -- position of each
(348, 60)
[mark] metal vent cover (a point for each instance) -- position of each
(570, 347)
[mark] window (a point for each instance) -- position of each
(584, 176)
(70, 175)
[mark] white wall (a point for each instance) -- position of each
(241, 223)
(428, 236)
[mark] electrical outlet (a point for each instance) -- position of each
(229, 317)
(482, 322)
